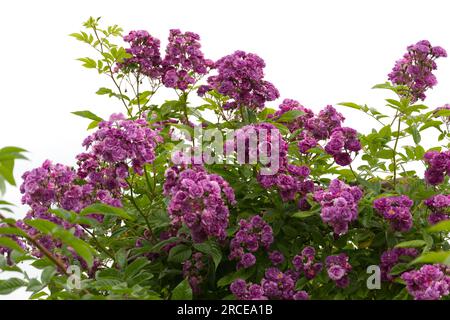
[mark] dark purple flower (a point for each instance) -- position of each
(338, 268)
(339, 205)
(430, 282)
(415, 69)
(240, 77)
(396, 210)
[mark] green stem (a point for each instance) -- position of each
(394, 159)
(111, 73)
(133, 202)
(100, 246)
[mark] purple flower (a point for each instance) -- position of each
(428, 283)
(199, 200)
(184, 62)
(305, 263)
(244, 291)
(240, 77)
(439, 206)
(289, 105)
(342, 142)
(321, 126)
(253, 233)
(415, 69)
(146, 58)
(396, 210)
(392, 257)
(339, 205)
(338, 268)
(247, 260)
(276, 257)
(438, 166)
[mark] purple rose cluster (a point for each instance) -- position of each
(338, 268)
(292, 105)
(146, 58)
(342, 142)
(119, 141)
(275, 285)
(184, 60)
(240, 77)
(430, 282)
(259, 142)
(280, 285)
(199, 200)
(264, 142)
(305, 263)
(291, 180)
(438, 166)
(116, 146)
(253, 234)
(439, 206)
(391, 257)
(396, 210)
(339, 205)
(415, 69)
(182, 65)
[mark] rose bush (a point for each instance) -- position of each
(216, 195)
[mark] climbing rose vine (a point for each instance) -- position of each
(221, 192)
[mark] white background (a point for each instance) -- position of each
(318, 52)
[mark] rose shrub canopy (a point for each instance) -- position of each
(233, 197)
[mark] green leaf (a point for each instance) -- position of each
(83, 249)
(433, 257)
(385, 154)
(88, 62)
(411, 244)
(442, 113)
(416, 135)
(6, 171)
(10, 243)
(101, 208)
(290, 116)
(243, 274)
(121, 257)
(12, 231)
(103, 91)
(440, 226)
(88, 114)
(211, 249)
(351, 105)
(399, 268)
(43, 226)
(163, 243)
(182, 291)
(386, 85)
(34, 285)
(77, 36)
(430, 123)
(10, 285)
(47, 274)
(136, 266)
(303, 214)
(179, 253)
